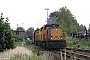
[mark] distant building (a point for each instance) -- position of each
(20, 32)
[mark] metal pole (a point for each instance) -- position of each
(17, 25)
(22, 24)
(47, 12)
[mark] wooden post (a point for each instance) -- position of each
(61, 54)
(65, 54)
(74, 58)
(38, 52)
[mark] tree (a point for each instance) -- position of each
(2, 37)
(67, 21)
(25, 36)
(82, 27)
(6, 41)
(29, 32)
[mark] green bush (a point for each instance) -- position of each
(6, 41)
(28, 42)
(78, 43)
(17, 38)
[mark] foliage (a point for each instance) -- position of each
(25, 36)
(29, 32)
(17, 38)
(78, 43)
(89, 28)
(17, 44)
(6, 41)
(67, 21)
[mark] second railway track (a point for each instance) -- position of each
(67, 54)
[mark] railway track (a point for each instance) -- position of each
(79, 54)
(67, 54)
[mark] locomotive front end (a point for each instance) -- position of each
(56, 39)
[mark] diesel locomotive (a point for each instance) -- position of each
(50, 36)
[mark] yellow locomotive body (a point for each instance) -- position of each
(56, 38)
(40, 35)
(57, 34)
(36, 36)
(51, 36)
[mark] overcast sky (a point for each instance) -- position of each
(32, 13)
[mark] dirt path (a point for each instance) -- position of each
(20, 49)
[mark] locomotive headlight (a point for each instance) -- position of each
(56, 29)
(51, 38)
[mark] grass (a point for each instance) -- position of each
(26, 52)
(17, 44)
(24, 57)
(29, 50)
(78, 43)
(20, 53)
(14, 52)
(31, 46)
